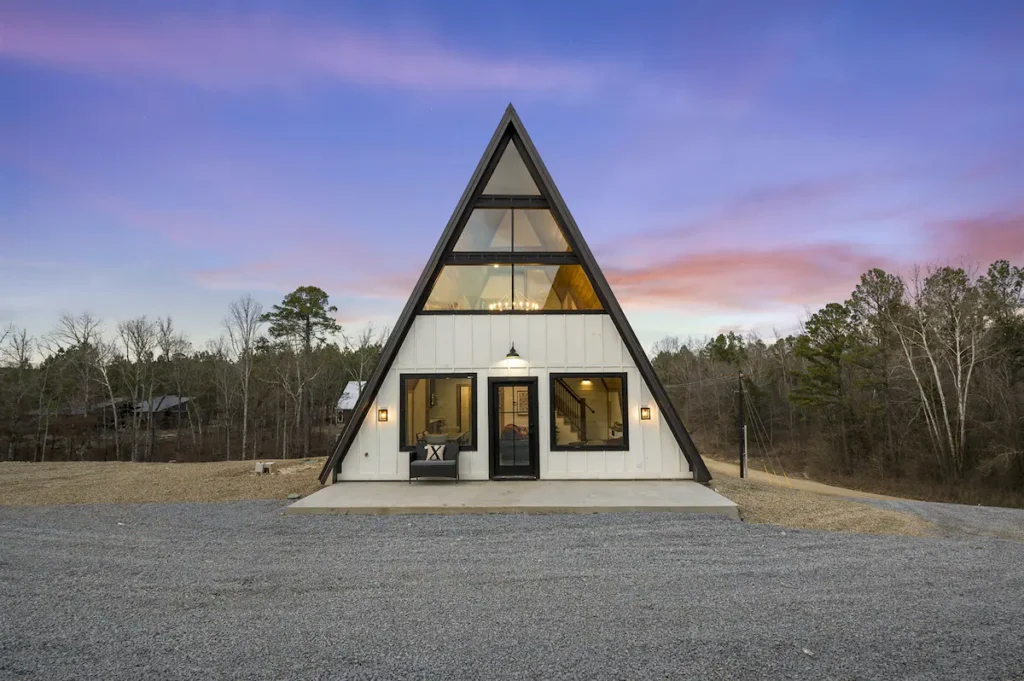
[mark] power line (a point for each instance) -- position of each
(711, 381)
(769, 447)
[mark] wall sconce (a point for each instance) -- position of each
(382, 415)
(512, 354)
(645, 413)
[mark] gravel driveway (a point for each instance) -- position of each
(238, 591)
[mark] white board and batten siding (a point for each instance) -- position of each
(546, 343)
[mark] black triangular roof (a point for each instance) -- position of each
(510, 127)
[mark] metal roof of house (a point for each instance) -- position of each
(160, 403)
(350, 395)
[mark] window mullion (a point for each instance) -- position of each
(512, 249)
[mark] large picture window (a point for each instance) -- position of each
(437, 408)
(588, 411)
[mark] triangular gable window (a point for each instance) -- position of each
(511, 176)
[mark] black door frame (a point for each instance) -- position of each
(493, 431)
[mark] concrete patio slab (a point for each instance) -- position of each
(527, 496)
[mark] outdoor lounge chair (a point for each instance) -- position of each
(447, 467)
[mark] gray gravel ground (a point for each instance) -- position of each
(958, 520)
(238, 591)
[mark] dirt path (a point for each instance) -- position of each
(733, 470)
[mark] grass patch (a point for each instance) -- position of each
(761, 503)
(97, 482)
(103, 482)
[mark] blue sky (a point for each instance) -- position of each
(733, 165)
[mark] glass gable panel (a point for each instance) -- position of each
(511, 177)
(488, 229)
(537, 231)
(471, 287)
(553, 287)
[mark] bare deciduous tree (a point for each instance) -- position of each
(79, 336)
(104, 357)
(139, 336)
(942, 337)
(223, 376)
(174, 348)
(243, 326)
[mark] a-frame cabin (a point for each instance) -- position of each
(513, 346)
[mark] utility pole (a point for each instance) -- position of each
(742, 431)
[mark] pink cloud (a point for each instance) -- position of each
(250, 52)
(983, 238)
(747, 279)
(775, 211)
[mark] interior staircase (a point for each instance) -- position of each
(564, 426)
(570, 411)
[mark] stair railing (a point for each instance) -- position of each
(572, 408)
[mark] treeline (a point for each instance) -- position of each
(268, 386)
(913, 382)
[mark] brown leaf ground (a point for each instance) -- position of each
(43, 484)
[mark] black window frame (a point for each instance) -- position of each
(402, 447)
(554, 446)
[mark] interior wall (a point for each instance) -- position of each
(546, 343)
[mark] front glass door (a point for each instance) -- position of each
(514, 451)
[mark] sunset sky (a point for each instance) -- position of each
(732, 165)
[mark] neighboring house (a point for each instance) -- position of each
(166, 410)
(105, 411)
(99, 413)
(514, 346)
(347, 401)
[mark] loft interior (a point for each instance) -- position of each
(512, 358)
